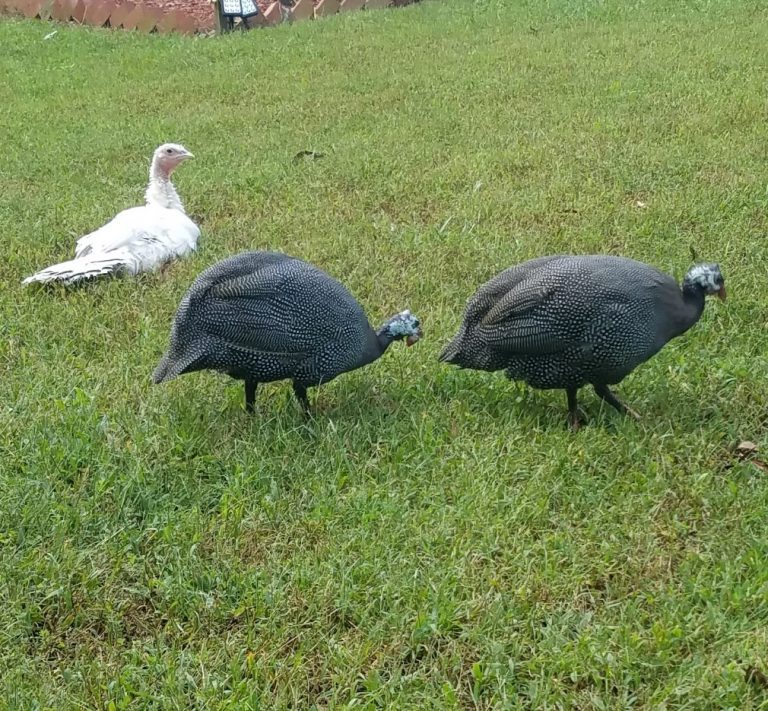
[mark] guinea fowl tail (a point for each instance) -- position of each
(173, 364)
(164, 371)
(76, 270)
(451, 352)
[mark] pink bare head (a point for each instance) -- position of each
(168, 156)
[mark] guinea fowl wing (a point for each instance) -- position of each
(249, 324)
(517, 303)
(503, 283)
(530, 320)
(285, 309)
(255, 313)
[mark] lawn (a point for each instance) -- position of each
(433, 538)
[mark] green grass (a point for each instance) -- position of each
(435, 538)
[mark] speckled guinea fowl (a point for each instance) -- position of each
(564, 321)
(265, 316)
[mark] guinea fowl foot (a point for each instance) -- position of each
(576, 420)
(576, 417)
(250, 396)
(604, 392)
(301, 395)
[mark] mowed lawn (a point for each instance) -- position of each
(433, 538)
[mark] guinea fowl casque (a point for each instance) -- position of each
(265, 316)
(138, 239)
(562, 322)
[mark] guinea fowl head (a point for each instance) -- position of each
(168, 156)
(402, 325)
(706, 279)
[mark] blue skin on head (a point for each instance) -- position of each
(708, 277)
(405, 324)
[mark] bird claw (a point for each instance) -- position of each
(576, 420)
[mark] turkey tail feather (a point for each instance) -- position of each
(76, 270)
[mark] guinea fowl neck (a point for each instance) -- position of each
(374, 348)
(160, 190)
(384, 340)
(693, 305)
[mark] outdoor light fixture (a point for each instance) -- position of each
(239, 8)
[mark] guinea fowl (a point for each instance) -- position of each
(562, 322)
(138, 239)
(265, 316)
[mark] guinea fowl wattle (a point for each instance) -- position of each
(265, 316)
(562, 322)
(138, 239)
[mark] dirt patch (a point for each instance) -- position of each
(201, 10)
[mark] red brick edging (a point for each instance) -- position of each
(135, 16)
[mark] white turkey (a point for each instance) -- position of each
(138, 239)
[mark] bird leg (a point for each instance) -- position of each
(605, 394)
(301, 395)
(250, 395)
(575, 417)
(164, 268)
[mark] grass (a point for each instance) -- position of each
(434, 539)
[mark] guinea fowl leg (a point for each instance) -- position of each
(605, 393)
(250, 395)
(301, 395)
(575, 418)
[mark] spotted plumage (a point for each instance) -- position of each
(567, 321)
(264, 316)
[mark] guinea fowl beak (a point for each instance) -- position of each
(413, 338)
(721, 293)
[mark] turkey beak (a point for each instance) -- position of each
(721, 293)
(188, 155)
